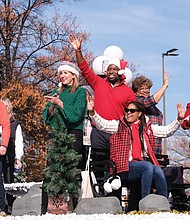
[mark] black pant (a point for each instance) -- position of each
(100, 151)
(78, 146)
(8, 176)
(100, 139)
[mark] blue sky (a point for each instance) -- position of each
(143, 29)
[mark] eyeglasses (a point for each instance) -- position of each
(145, 90)
(132, 110)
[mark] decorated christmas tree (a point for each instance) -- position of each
(61, 173)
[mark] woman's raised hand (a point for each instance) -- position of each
(75, 42)
(90, 104)
(180, 111)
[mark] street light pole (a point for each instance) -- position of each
(167, 53)
(164, 95)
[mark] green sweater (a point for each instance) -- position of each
(74, 109)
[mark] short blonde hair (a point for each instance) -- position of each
(9, 106)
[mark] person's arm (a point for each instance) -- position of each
(108, 126)
(186, 123)
(19, 146)
(55, 101)
(5, 123)
(158, 95)
(169, 130)
(49, 108)
(91, 78)
(152, 100)
(75, 108)
(76, 43)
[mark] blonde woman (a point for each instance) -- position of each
(70, 101)
(14, 152)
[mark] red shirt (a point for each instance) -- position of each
(109, 102)
(186, 123)
(5, 124)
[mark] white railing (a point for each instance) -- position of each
(19, 188)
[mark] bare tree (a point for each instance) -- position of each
(31, 47)
(179, 150)
(32, 44)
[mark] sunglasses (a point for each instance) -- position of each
(132, 110)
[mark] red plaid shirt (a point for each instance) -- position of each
(120, 145)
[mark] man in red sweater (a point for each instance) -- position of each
(186, 123)
(111, 95)
(5, 124)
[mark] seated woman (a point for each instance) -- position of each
(132, 144)
(186, 123)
